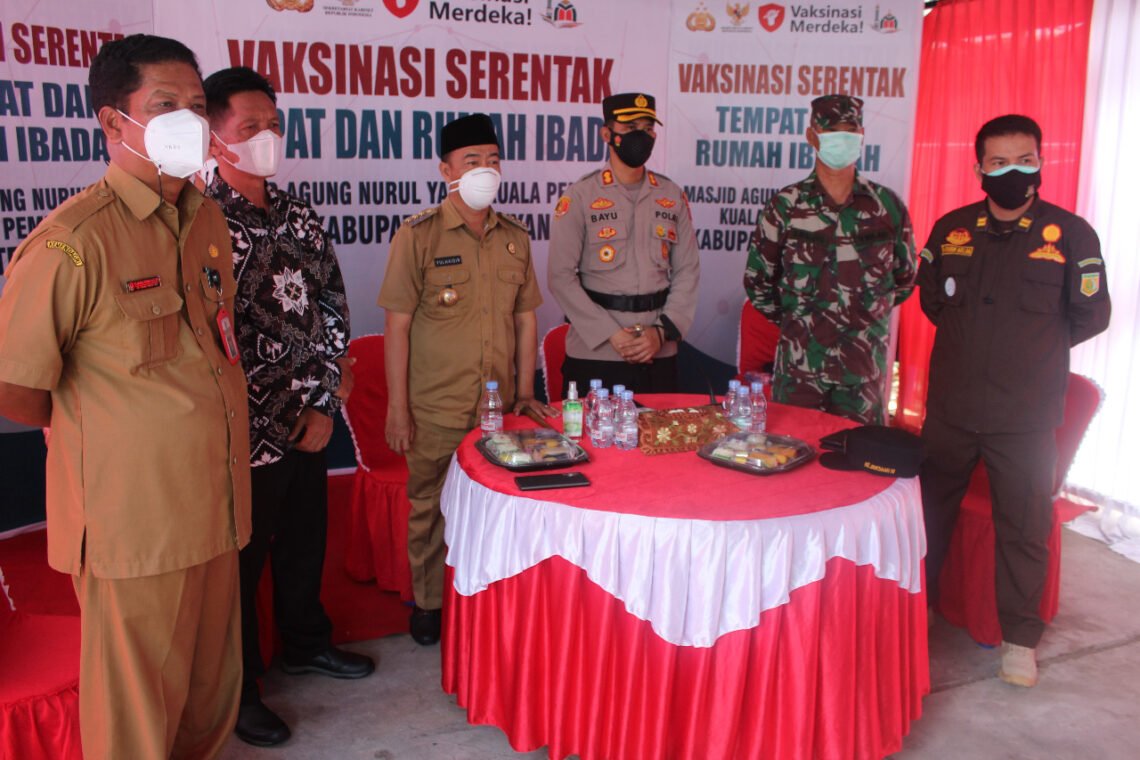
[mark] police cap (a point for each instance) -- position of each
(629, 106)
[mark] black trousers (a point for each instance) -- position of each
(290, 524)
(659, 376)
(1020, 468)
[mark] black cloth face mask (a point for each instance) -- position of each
(1011, 186)
(633, 148)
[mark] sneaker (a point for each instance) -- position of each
(1018, 665)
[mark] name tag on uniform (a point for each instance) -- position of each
(226, 333)
(448, 261)
(146, 283)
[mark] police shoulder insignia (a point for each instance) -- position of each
(1090, 284)
(1026, 222)
(562, 207)
(652, 178)
(514, 220)
(72, 254)
(421, 216)
(982, 219)
(607, 177)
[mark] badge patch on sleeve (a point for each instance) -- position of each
(72, 254)
(1090, 284)
(1090, 262)
(926, 254)
(562, 207)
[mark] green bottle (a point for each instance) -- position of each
(572, 413)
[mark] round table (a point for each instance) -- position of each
(675, 609)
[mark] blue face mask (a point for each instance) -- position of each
(839, 149)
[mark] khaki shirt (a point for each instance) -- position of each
(108, 307)
(455, 349)
(624, 241)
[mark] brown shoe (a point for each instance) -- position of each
(1018, 665)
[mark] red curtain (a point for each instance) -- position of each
(981, 59)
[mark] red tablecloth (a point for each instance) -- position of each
(644, 621)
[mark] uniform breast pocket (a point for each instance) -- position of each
(507, 286)
(447, 291)
(806, 263)
(953, 279)
(153, 321)
(664, 236)
(606, 247)
(1042, 287)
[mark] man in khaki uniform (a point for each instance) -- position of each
(623, 262)
(113, 327)
(460, 296)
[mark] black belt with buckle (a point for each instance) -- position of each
(638, 303)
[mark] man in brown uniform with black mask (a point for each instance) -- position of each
(1011, 282)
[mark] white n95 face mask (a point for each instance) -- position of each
(260, 155)
(176, 142)
(477, 187)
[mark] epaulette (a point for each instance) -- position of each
(421, 216)
(515, 221)
(83, 207)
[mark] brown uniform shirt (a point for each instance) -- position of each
(621, 241)
(1008, 302)
(107, 305)
(455, 349)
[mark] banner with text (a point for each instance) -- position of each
(365, 85)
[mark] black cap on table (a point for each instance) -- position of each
(887, 451)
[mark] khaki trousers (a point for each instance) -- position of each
(428, 460)
(160, 662)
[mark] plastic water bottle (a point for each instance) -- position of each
(740, 413)
(759, 408)
(625, 427)
(491, 410)
(615, 394)
(733, 387)
(572, 413)
(603, 435)
(588, 407)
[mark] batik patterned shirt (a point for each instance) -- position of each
(291, 313)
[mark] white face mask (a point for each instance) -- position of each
(477, 187)
(839, 149)
(260, 155)
(176, 142)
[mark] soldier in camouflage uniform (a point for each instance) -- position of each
(830, 257)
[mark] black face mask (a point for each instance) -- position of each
(1012, 189)
(633, 148)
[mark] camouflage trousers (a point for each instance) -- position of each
(860, 400)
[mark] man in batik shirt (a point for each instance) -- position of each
(292, 327)
(830, 257)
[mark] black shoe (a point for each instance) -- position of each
(260, 726)
(425, 626)
(334, 662)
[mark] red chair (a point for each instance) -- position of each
(552, 352)
(755, 342)
(967, 596)
(378, 513)
(39, 689)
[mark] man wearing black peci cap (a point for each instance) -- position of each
(460, 299)
(623, 260)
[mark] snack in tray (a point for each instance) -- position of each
(755, 451)
(529, 449)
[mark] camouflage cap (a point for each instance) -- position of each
(829, 110)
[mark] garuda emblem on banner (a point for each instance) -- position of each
(737, 12)
(301, 6)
